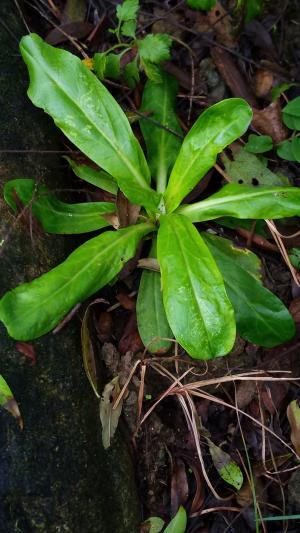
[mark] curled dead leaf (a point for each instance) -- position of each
(268, 121)
(245, 393)
(112, 219)
(149, 263)
(221, 21)
(264, 80)
(179, 485)
(126, 301)
(88, 355)
(127, 213)
(28, 350)
(108, 415)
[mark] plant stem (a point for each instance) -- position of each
(118, 45)
(161, 182)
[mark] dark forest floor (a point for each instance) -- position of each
(215, 55)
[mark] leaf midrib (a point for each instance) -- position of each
(189, 210)
(69, 214)
(183, 176)
(192, 286)
(126, 161)
(76, 275)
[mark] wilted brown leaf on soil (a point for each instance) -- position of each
(130, 340)
(179, 485)
(108, 415)
(264, 80)
(245, 393)
(88, 354)
(126, 301)
(28, 350)
(78, 29)
(127, 212)
(221, 22)
(268, 121)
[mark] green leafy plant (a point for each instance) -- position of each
(252, 8)
(208, 286)
(146, 53)
(202, 5)
(177, 524)
(290, 148)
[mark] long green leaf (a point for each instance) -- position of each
(32, 309)
(243, 201)
(88, 115)
(151, 316)
(197, 307)
(162, 145)
(217, 127)
(54, 215)
(261, 317)
(178, 523)
(99, 178)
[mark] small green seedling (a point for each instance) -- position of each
(288, 149)
(202, 5)
(154, 524)
(130, 54)
(205, 287)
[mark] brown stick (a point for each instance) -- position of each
(231, 75)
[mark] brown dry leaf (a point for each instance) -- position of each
(199, 496)
(232, 76)
(200, 22)
(244, 497)
(293, 414)
(273, 394)
(221, 21)
(127, 213)
(28, 350)
(108, 415)
(126, 301)
(168, 24)
(264, 80)
(105, 324)
(245, 393)
(130, 340)
(77, 30)
(112, 219)
(74, 10)
(88, 354)
(294, 309)
(179, 485)
(268, 121)
(149, 263)
(270, 464)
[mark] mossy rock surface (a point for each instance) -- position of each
(54, 475)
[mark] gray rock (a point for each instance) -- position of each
(55, 475)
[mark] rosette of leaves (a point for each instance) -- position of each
(205, 287)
